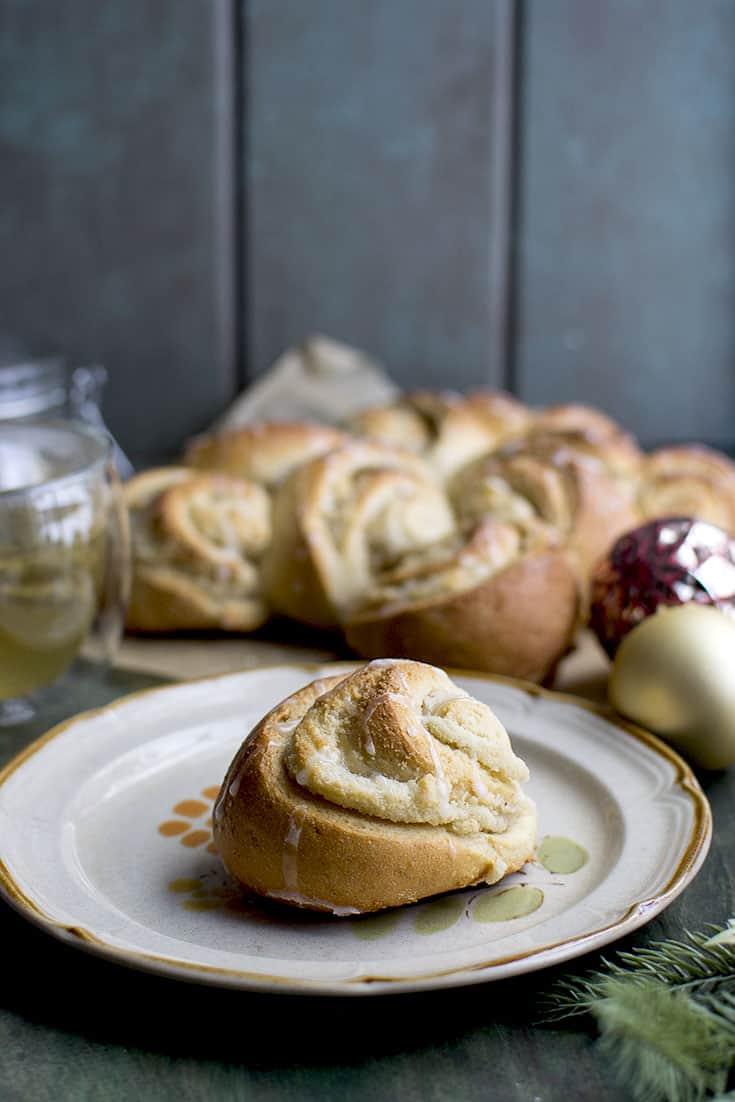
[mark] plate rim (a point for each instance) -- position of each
(638, 913)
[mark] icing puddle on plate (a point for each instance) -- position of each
(214, 889)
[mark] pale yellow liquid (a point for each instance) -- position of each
(47, 604)
(561, 855)
(508, 904)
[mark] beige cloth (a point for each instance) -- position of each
(321, 380)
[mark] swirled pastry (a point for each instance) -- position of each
(264, 452)
(198, 539)
(690, 481)
(590, 431)
(505, 598)
(341, 520)
(543, 480)
(441, 427)
(503, 415)
(373, 790)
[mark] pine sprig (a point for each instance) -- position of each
(666, 1015)
(699, 964)
(662, 1043)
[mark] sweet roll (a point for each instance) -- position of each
(198, 543)
(372, 790)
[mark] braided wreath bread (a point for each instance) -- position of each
(459, 530)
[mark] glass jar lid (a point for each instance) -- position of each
(35, 387)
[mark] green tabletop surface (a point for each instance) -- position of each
(73, 1026)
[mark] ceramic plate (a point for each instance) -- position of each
(105, 842)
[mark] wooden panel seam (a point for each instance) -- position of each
(504, 93)
(228, 202)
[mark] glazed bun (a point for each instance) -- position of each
(264, 452)
(592, 432)
(689, 481)
(373, 790)
(543, 480)
(505, 598)
(198, 540)
(341, 520)
(439, 426)
(503, 416)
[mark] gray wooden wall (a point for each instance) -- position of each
(537, 194)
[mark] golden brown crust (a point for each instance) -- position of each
(590, 431)
(285, 841)
(216, 520)
(545, 480)
(339, 519)
(397, 425)
(264, 452)
(140, 490)
(689, 480)
(164, 600)
(518, 619)
(502, 414)
(197, 542)
(440, 426)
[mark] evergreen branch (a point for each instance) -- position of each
(666, 1015)
(662, 1043)
(700, 965)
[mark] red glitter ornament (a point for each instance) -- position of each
(669, 561)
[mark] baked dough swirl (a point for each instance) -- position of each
(504, 598)
(341, 520)
(264, 452)
(502, 415)
(690, 481)
(440, 426)
(593, 432)
(372, 790)
(552, 482)
(198, 541)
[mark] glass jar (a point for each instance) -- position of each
(64, 556)
(44, 388)
(38, 388)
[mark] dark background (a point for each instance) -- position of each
(538, 195)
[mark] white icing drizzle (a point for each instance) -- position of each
(397, 698)
(291, 851)
(442, 785)
(304, 901)
(285, 728)
(381, 698)
(394, 664)
(435, 700)
(478, 785)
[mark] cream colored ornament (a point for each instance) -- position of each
(675, 674)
